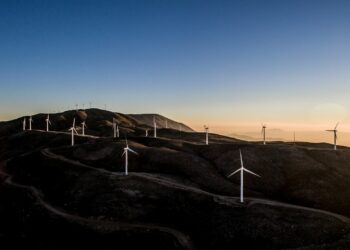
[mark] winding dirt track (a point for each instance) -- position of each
(228, 200)
(183, 239)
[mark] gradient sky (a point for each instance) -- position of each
(228, 64)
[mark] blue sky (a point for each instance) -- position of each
(215, 62)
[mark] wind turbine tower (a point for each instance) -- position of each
(335, 135)
(206, 128)
(115, 129)
(263, 132)
(83, 126)
(24, 123)
(47, 122)
(73, 130)
(155, 127)
(30, 122)
(126, 150)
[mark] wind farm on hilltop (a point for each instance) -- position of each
(110, 174)
(175, 125)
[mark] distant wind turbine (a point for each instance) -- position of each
(83, 126)
(30, 122)
(155, 127)
(73, 130)
(146, 132)
(24, 123)
(206, 128)
(126, 150)
(335, 135)
(263, 132)
(115, 129)
(47, 122)
(242, 169)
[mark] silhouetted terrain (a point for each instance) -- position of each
(177, 194)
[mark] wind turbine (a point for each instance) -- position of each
(242, 169)
(146, 132)
(47, 122)
(24, 123)
(155, 127)
(30, 122)
(206, 128)
(83, 126)
(115, 129)
(73, 131)
(263, 130)
(126, 150)
(335, 135)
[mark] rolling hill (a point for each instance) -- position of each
(177, 194)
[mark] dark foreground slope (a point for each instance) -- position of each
(177, 195)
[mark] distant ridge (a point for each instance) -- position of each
(99, 122)
(147, 119)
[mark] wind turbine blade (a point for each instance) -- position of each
(335, 128)
(240, 155)
(233, 173)
(250, 172)
(123, 153)
(132, 151)
(75, 131)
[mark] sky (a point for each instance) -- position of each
(228, 64)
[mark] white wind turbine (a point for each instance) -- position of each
(24, 123)
(47, 122)
(30, 122)
(335, 135)
(126, 150)
(115, 129)
(206, 128)
(83, 126)
(146, 132)
(263, 132)
(73, 130)
(242, 169)
(155, 127)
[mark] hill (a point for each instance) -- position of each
(162, 122)
(177, 194)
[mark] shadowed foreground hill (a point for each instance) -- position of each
(177, 195)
